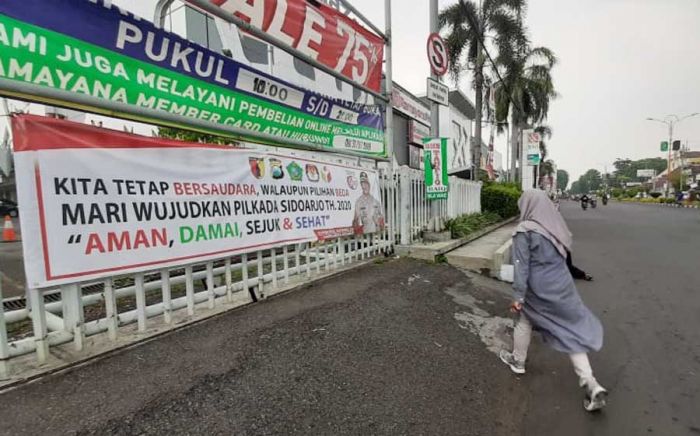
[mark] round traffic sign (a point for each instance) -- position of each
(437, 54)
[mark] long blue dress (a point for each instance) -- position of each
(551, 302)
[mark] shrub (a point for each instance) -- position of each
(501, 199)
(465, 225)
(655, 194)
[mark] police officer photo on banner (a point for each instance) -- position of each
(369, 217)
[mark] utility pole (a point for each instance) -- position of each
(680, 158)
(670, 146)
(434, 107)
(671, 121)
(434, 223)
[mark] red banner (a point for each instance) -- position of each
(320, 32)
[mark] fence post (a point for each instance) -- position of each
(244, 273)
(72, 302)
(111, 314)
(210, 284)
(261, 275)
(285, 263)
(38, 313)
(140, 301)
(189, 290)
(229, 280)
(478, 196)
(404, 205)
(166, 295)
(4, 349)
(273, 264)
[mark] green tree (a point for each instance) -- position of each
(676, 181)
(576, 187)
(562, 179)
(468, 24)
(626, 169)
(590, 181)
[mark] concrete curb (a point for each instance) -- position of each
(501, 257)
(677, 206)
(430, 251)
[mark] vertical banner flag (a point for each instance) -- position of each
(436, 178)
(6, 155)
(91, 55)
(489, 159)
(98, 202)
(492, 118)
(320, 32)
(532, 147)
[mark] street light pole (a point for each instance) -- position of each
(680, 157)
(670, 147)
(671, 121)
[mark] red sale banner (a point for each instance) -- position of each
(318, 31)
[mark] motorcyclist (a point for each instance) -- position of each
(584, 201)
(555, 199)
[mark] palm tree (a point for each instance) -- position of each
(468, 26)
(526, 91)
(546, 169)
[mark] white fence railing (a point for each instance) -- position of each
(172, 296)
(464, 198)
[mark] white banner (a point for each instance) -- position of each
(409, 105)
(646, 173)
(438, 92)
(532, 147)
(96, 202)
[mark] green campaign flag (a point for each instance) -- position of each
(664, 145)
(435, 160)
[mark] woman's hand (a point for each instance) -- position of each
(516, 307)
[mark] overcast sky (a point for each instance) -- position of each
(620, 61)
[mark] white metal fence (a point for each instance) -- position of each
(464, 198)
(165, 297)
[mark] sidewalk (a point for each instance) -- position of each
(485, 254)
(395, 347)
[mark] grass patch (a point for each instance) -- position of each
(465, 225)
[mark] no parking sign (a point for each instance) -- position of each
(437, 54)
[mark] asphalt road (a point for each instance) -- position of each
(646, 264)
(375, 351)
(406, 347)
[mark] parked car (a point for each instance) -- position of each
(8, 207)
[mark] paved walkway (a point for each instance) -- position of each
(478, 255)
(396, 347)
